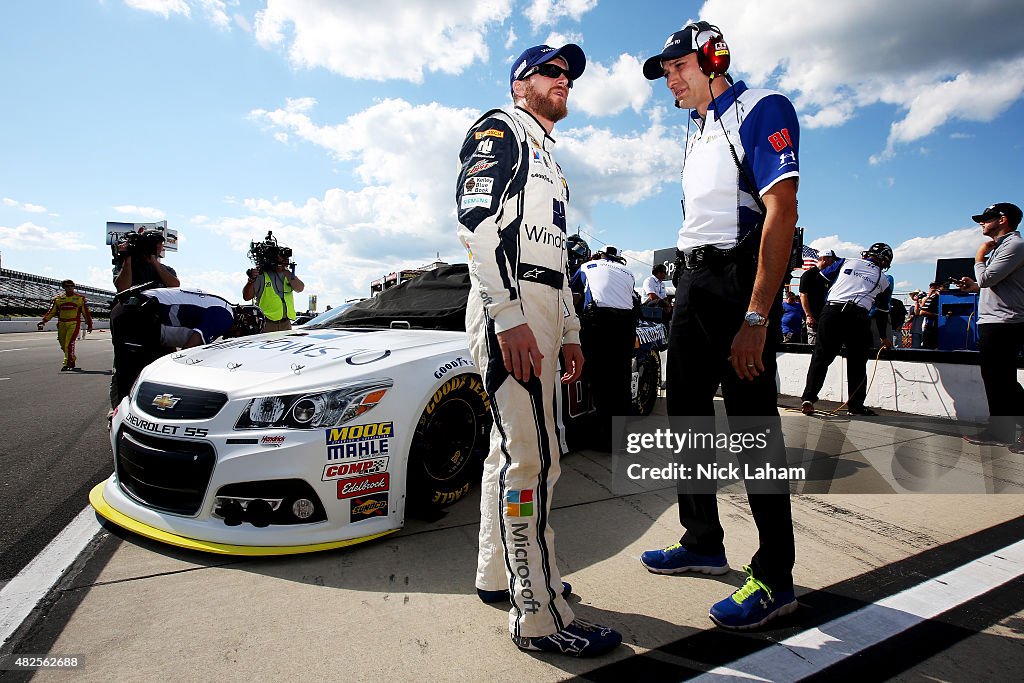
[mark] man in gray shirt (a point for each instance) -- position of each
(999, 268)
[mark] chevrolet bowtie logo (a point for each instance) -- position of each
(165, 401)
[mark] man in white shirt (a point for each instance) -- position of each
(654, 294)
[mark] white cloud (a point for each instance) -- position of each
(32, 237)
(27, 207)
(559, 38)
(934, 61)
(954, 244)
(215, 11)
(403, 39)
(842, 248)
(604, 91)
(146, 212)
(625, 169)
(542, 12)
(164, 8)
(510, 41)
(403, 213)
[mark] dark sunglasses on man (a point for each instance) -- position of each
(547, 70)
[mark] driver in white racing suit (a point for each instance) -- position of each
(511, 198)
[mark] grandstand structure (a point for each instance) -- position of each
(24, 294)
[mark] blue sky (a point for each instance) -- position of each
(337, 125)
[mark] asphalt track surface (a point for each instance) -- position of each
(54, 445)
(55, 448)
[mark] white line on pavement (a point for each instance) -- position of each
(6, 350)
(22, 593)
(814, 650)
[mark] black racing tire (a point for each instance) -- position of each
(449, 445)
(647, 384)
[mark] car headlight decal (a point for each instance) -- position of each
(314, 410)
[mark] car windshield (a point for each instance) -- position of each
(326, 318)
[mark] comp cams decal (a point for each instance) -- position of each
(359, 468)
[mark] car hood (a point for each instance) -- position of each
(297, 359)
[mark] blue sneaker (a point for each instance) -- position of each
(676, 559)
(578, 639)
(753, 605)
(502, 595)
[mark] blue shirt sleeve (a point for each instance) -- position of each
(832, 272)
(770, 136)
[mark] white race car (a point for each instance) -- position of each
(306, 440)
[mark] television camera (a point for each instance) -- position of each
(266, 255)
(135, 244)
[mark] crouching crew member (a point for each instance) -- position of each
(857, 285)
(148, 324)
(608, 335)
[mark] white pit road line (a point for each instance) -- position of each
(812, 651)
(22, 593)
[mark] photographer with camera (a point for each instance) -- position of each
(272, 282)
(137, 260)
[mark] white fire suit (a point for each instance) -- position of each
(511, 200)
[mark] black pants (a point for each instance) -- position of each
(135, 333)
(841, 324)
(608, 336)
(709, 308)
(1000, 344)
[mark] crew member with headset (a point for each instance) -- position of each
(739, 177)
(857, 286)
(69, 308)
(146, 324)
(608, 336)
(272, 290)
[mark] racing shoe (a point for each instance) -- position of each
(807, 408)
(676, 559)
(64, 368)
(753, 605)
(578, 639)
(502, 595)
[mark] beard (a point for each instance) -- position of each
(544, 105)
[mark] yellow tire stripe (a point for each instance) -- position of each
(105, 510)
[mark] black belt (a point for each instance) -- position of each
(847, 307)
(545, 276)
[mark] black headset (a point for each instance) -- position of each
(712, 50)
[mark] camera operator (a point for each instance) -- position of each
(137, 260)
(272, 283)
(146, 324)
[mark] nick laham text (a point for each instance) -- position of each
(714, 472)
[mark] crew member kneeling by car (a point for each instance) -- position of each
(146, 324)
(608, 335)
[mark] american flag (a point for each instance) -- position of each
(810, 257)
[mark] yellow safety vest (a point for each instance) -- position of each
(271, 303)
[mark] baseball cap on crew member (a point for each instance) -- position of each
(827, 254)
(1011, 211)
(539, 54)
(679, 44)
(67, 283)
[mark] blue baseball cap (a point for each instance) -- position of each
(539, 54)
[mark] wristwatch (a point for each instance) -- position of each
(755, 319)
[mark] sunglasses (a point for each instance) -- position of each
(547, 71)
